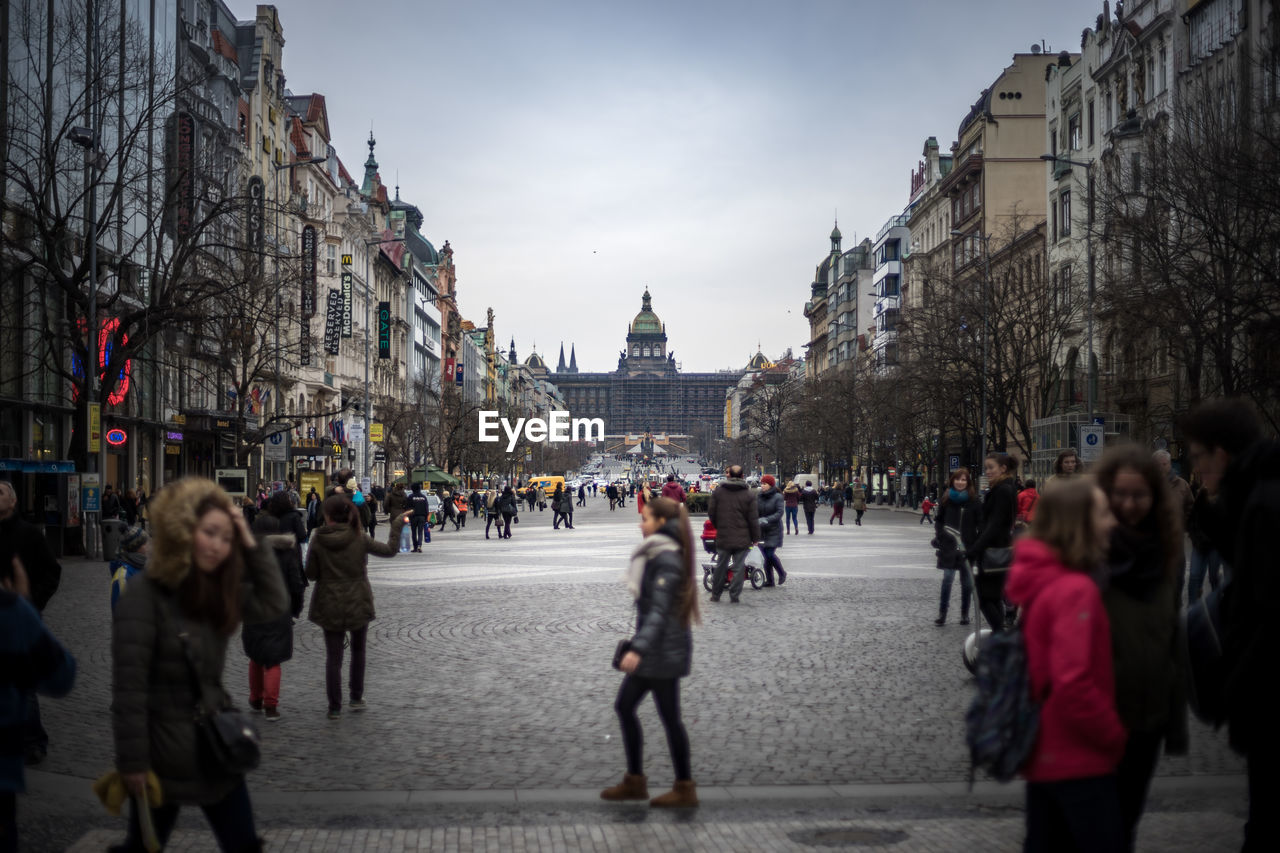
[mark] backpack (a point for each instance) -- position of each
(1003, 719)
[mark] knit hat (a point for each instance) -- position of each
(133, 540)
(768, 479)
(352, 486)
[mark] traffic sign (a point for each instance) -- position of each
(276, 447)
(375, 433)
(1092, 440)
(954, 462)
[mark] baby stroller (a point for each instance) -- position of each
(754, 573)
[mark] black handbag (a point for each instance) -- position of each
(231, 736)
(619, 652)
(997, 559)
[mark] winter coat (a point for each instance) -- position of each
(33, 660)
(1241, 528)
(734, 513)
(271, 643)
(506, 503)
(1142, 608)
(995, 528)
(809, 497)
(959, 516)
(859, 500)
(417, 501)
(1068, 643)
(153, 700)
(769, 511)
(674, 491)
(21, 538)
(558, 500)
(791, 496)
(664, 644)
(1027, 499)
(338, 561)
(396, 500)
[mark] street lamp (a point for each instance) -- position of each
(1087, 165)
(986, 278)
(280, 167)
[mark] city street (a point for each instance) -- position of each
(831, 699)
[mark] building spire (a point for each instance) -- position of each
(560, 367)
(370, 167)
(573, 359)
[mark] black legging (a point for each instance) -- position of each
(666, 695)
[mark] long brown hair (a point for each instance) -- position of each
(972, 488)
(666, 509)
(340, 510)
(1009, 463)
(1164, 517)
(1064, 522)
(214, 597)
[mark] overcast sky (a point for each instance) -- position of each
(574, 153)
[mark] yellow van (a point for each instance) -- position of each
(547, 483)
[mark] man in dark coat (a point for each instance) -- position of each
(25, 541)
(1235, 463)
(809, 502)
(735, 516)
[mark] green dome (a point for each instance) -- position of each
(646, 322)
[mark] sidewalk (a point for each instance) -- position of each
(918, 817)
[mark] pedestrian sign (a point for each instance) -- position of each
(1091, 442)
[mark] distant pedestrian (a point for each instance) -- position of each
(558, 513)
(207, 575)
(419, 516)
(1028, 497)
(791, 506)
(1065, 467)
(1072, 799)
(507, 509)
(958, 510)
(342, 603)
(396, 503)
(129, 507)
(809, 500)
(270, 644)
(135, 548)
(660, 579)
(769, 511)
(110, 503)
(313, 510)
(491, 512)
(995, 530)
(734, 513)
(673, 490)
(836, 496)
(859, 503)
(582, 495)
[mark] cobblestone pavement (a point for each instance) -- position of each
(488, 671)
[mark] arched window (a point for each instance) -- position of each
(647, 352)
(635, 350)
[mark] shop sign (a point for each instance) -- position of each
(384, 330)
(172, 435)
(337, 450)
(333, 322)
(116, 437)
(308, 272)
(221, 424)
(95, 427)
(375, 433)
(379, 455)
(173, 450)
(347, 304)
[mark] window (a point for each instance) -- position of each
(1062, 287)
(890, 286)
(1073, 132)
(635, 350)
(1162, 72)
(331, 263)
(1053, 225)
(1111, 116)
(1064, 200)
(1090, 125)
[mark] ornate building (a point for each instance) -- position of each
(647, 393)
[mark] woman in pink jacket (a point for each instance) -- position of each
(1072, 798)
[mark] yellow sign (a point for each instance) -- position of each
(346, 260)
(337, 450)
(95, 427)
(173, 450)
(308, 480)
(375, 433)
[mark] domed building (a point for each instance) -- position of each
(647, 394)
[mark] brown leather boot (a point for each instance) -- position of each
(632, 787)
(683, 793)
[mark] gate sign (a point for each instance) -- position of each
(384, 330)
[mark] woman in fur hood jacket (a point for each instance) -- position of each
(207, 574)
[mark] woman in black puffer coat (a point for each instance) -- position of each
(269, 644)
(995, 530)
(958, 509)
(660, 578)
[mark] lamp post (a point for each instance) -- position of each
(986, 279)
(278, 168)
(368, 298)
(1087, 165)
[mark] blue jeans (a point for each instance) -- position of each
(793, 517)
(1202, 564)
(966, 591)
(231, 820)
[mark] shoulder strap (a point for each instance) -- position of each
(193, 671)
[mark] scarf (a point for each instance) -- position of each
(956, 496)
(1136, 561)
(649, 547)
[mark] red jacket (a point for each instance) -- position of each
(1027, 504)
(674, 491)
(1068, 642)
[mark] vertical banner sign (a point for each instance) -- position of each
(308, 272)
(384, 330)
(346, 304)
(457, 373)
(256, 218)
(333, 323)
(448, 371)
(185, 172)
(304, 343)
(95, 427)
